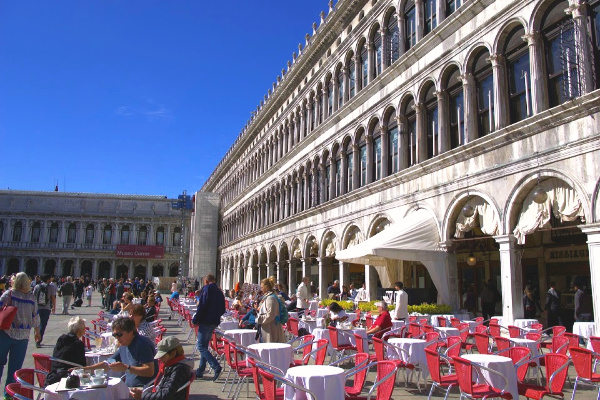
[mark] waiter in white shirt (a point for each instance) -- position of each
(303, 294)
(401, 311)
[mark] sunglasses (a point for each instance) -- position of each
(117, 334)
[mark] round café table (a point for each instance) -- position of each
(525, 323)
(447, 331)
(277, 354)
(244, 337)
(416, 353)
(504, 365)
(326, 382)
(585, 330)
(116, 389)
(228, 325)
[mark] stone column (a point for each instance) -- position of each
(420, 115)
(371, 68)
(370, 161)
(94, 269)
(501, 107)
(346, 84)
(344, 272)
(593, 240)
(385, 51)
(420, 18)
(403, 142)
(335, 93)
(371, 282)
(344, 173)
(385, 151)
(298, 201)
(113, 269)
(332, 174)
(443, 122)
(305, 204)
(585, 57)
(401, 33)
(323, 182)
(511, 277)
(470, 107)
(356, 171)
(539, 89)
(278, 267)
(322, 279)
(293, 264)
(358, 69)
(440, 11)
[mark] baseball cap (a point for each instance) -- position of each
(165, 345)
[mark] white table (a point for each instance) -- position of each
(460, 316)
(310, 324)
(326, 382)
(244, 337)
(472, 325)
(345, 336)
(397, 323)
(585, 329)
(447, 331)
(416, 353)
(530, 344)
(500, 320)
(228, 325)
(322, 312)
(313, 305)
(524, 323)
(504, 365)
(276, 354)
(116, 390)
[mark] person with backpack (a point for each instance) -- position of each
(270, 314)
(45, 295)
(67, 290)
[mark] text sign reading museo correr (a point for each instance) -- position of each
(135, 251)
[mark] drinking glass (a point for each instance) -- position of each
(99, 342)
(99, 372)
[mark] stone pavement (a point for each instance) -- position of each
(206, 389)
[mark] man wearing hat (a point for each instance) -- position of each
(175, 371)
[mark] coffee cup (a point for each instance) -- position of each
(99, 372)
(97, 380)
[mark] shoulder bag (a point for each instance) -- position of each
(7, 314)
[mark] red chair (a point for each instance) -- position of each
(320, 352)
(595, 342)
(292, 325)
(557, 330)
(454, 322)
(260, 394)
(479, 320)
(556, 373)
(43, 365)
(270, 387)
(495, 329)
(463, 330)
(381, 354)
(481, 329)
(242, 371)
(453, 347)
(442, 322)
(17, 391)
(502, 343)
(359, 372)
(428, 328)
(514, 331)
(360, 347)
(339, 348)
(433, 340)
(520, 357)
(384, 383)
(482, 342)
(583, 360)
(464, 372)
(537, 327)
(573, 339)
(423, 321)
(535, 336)
(435, 372)
(414, 330)
(412, 318)
(369, 320)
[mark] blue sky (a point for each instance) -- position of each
(135, 96)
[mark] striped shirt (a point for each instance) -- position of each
(27, 313)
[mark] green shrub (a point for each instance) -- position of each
(366, 306)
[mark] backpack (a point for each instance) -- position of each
(283, 316)
(43, 289)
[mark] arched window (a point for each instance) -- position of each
(176, 237)
(107, 235)
(393, 37)
(516, 52)
(485, 93)
(160, 236)
(349, 154)
(89, 234)
(456, 109)
(452, 6)
(364, 62)
(330, 96)
(142, 236)
(561, 56)
(71, 233)
(17, 231)
(351, 77)
(35, 232)
(430, 15)
(53, 236)
(377, 64)
(432, 124)
(125, 234)
(394, 145)
(362, 160)
(340, 83)
(410, 24)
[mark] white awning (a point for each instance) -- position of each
(414, 238)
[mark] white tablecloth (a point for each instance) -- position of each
(504, 365)
(311, 325)
(345, 336)
(472, 325)
(585, 329)
(530, 344)
(313, 305)
(500, 320)
(244, 337)
(276, 354)
(396, 323)
(524, 323)
(326, 382)
(447, 331)
(116, 390)
(322, 312)
(228, 325)
(416, 353)
(462, 316)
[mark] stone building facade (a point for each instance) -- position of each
(483, 113)
(77, 234)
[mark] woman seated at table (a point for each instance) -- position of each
(69, 347)
(174, 372)
(337, 314)
(150, 310)
(138, 315)
(383, 323)
(143, 298)
(249, 320)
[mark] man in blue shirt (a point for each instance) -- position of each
(134, 357)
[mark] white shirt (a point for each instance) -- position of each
(303, 296)
(401, 311)
(361, 295)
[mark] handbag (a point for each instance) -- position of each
(7, 315)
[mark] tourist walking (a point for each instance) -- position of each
(303, 294)
(553, 306)
(401, 311)
(45, 296)
(211, 306)
(66, 291)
